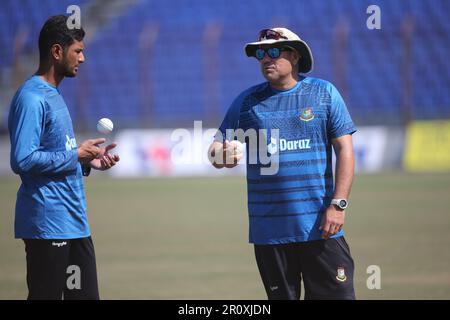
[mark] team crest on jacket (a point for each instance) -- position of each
(307, 114)
(341, 275)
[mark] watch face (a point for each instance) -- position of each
(343, 204)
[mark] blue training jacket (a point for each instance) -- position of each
(50, 202)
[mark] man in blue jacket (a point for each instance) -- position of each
(51, 206)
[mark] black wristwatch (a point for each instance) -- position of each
(85, 169)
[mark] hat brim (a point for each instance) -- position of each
(306, 61)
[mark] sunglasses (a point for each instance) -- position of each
(271, 52)
(269, 34)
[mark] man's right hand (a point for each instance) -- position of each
(221, 155)
(90, 150)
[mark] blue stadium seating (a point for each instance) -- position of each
(182, 78)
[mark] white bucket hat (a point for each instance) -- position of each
(286, 37)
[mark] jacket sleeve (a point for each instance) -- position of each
(26, 125)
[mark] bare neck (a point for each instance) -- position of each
(49, 74)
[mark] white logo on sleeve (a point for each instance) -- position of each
(71, 143)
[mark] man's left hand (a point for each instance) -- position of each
(332, 221)
(106, 161)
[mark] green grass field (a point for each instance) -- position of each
(187, 238)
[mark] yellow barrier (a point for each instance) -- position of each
(427, 146)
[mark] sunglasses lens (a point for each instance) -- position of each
(274, 52)
(259, 54)
(271, 52)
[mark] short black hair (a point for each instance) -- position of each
(55, 31)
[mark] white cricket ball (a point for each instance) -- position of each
(238, 149)
(105, 126)
(238, 146)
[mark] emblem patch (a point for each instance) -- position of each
(341, 275)
(307, 114)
